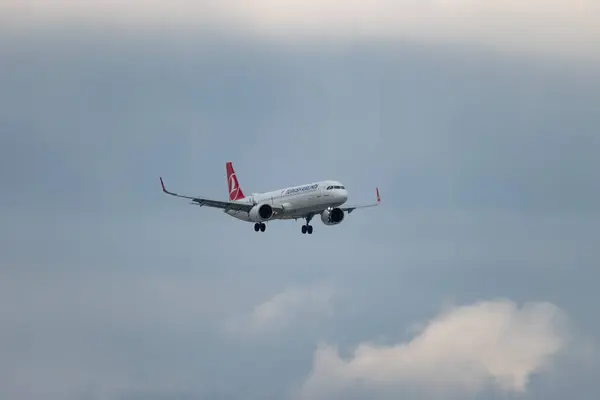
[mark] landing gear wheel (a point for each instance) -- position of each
(256, 227)
(263, 227)
(307, 228)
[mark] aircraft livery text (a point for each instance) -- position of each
(301, 189)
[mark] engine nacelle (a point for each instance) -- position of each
(261, 212)
(332, 216)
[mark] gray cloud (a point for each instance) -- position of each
(487, 167)
(533, 26)
(294, 307)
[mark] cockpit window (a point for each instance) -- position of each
(335, 187)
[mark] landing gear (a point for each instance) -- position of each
(259, 226)
(307, 228)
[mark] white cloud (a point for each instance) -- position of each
(532, 25)
(465, 348)
(293, 306)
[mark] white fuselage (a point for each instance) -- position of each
(298, 201)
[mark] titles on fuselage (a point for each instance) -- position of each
(302, 189)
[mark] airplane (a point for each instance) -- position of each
(324, 198)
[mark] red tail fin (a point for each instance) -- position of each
(235, 191)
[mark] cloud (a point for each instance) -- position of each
(109, 285)
(532, 25)
(284, 310)
(464, 348)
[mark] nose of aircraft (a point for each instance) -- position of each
(344, 195)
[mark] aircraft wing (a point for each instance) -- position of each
(349, 209)
(225, 205)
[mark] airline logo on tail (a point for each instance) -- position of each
(235, 191)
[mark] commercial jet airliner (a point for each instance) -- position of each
(305, 201)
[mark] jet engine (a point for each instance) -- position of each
(261, 212)
(332, 216)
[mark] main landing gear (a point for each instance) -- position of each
(307, 228)
(259, 226)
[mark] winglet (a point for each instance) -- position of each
(163, 185)
(378, 198)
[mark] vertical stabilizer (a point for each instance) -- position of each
(235, 191)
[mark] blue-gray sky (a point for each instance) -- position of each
(477, 277)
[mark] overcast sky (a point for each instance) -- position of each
(476, 278)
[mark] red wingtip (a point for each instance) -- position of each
(378, 198)
(163, 185)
